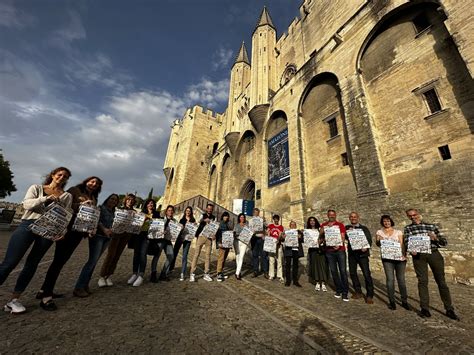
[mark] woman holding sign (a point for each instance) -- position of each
(116, 246)
(140, 244)
(318, 265)
(240, 246)
(393, 260)
(293, 251)
(86, 193)
(224, 244)
(189, 223)
(98, 243)
(37, 198)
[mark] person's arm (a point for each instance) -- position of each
(32, 199)
(378, 238)
(76, 193)
(368, 235)
(437, 237)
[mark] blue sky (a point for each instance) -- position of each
(95, 85)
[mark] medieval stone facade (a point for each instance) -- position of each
(377, 98)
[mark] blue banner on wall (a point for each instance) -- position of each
(278, 159)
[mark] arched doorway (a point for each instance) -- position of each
(248, 190)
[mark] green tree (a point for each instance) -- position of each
(150, 194)
(6, 178)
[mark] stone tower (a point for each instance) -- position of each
(239, 79)
(263, 60)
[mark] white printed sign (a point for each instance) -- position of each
(227, 239)
(311, 238)
(256, 224)
(245, 235)
(291, 238)
(270, 245)
(175, 228)
(210, 229)
(53, 222)
(87, 219)
(419, 243)
(332, 235)
(190, 231)
(157, 229)
(122, 221)
(391, 250)
(136, 224)
(357, 239)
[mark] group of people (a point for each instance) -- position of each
(322, 259)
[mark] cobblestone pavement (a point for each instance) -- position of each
(251, 316)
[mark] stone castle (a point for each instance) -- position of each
(363, 105)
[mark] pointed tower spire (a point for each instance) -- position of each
(265, 19)
(242, 56)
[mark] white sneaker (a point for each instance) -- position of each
(132, 279)
(102, 282)
(181, 277)
(14, 307)
(108, 282)
(191, 278)
(138, 281)
(207, 277)
(323, 287)
(226, 277)
(317, 287)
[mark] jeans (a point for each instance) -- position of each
(392, 268)
(363, 261)
(97, 246)
(291, 267)
(436, 263)
(139, 253)
(63, 252)
(167, 247)
(184, 262)
(177, 245)
(20, 241)
(259, 255)
(337, 265)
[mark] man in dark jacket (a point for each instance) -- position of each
(360, 257)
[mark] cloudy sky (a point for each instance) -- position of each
(94, 85)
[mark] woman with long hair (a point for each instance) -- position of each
(37, 198)
(140, 244)
(317, 263)
(240, 247)
(116, 247)
(224, 226)
(86, 193)
(188, 217)
(98, 243)
(393, 268)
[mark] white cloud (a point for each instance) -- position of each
(11, 17)
(73, 30)
(221, 58)
(208, 93)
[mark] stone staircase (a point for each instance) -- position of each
(199, 203)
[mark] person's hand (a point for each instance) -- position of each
(58, 238)
(220, 245)
(108, 232)
(335, 248)
(413, 253)
(207, 220)
(87, 202)
(52, 198)
(364, 250)
(432, 236)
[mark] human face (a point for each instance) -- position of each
(354, 218)
(276, 220)
(256, 213)
(332, 216)
(414, 216)
(242, 219)
(312, 222)
(169, 212)
(130, 202)
(112, 202)
(292, 225)
(92, 184)
(188, 212)
(225, 218)
(209, 209)
(60, 178)
(150, 206)
(386, 223)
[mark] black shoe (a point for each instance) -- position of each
(296, 283)
(266, 275)
(49, 306)
(164, 278)
(424, 313)
(255, 274)
(238, 277)
(392, 306)
(450, 313)
(406, 305)
(40, 295)
(153, 277)
(287, 284)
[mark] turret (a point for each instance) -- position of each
(263, 71)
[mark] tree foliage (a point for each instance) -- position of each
(6, 178)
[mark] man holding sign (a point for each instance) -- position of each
(359, 242)
(202, 241)
(334, 233)
(259, 256)
(434, 260)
